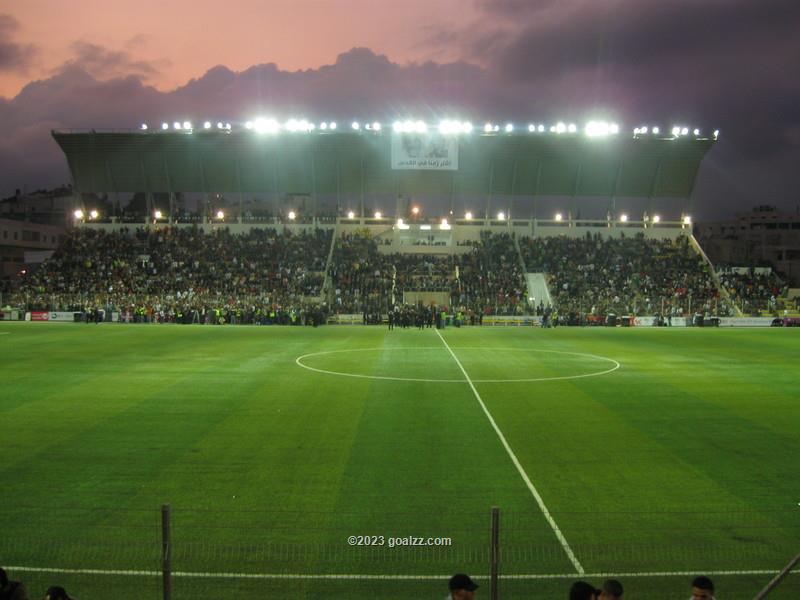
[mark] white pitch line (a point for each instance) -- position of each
(374, 576)
(553, 525)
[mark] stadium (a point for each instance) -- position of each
(352, 359)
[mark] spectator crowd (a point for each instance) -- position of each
(169, 273)
(625, 276)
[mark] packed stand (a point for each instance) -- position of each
(491, 280)
(488, 280)
(754, 290)
(627, 276)
(170, 273)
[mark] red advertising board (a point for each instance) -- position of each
(40, 316)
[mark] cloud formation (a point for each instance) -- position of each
(104, 63)
(14, 57)
(718, 64)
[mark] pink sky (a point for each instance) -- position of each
(184, 38)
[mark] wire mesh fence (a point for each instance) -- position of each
(111, 553)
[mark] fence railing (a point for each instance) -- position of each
(179, 553)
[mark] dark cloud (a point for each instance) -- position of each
(749, 93)
(104, 63)
(14, 57)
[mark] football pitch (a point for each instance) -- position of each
(649, 454)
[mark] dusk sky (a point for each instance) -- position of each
(730, 65)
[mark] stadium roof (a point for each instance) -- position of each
(359, 163)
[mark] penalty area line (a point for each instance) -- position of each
(532, 488)
(377, 576)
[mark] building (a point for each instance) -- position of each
(762, 237)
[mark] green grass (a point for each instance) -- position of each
(683, 459)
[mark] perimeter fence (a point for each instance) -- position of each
(181, 553)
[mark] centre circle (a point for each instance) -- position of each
(575, 365)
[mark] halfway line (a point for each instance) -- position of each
(554, 526)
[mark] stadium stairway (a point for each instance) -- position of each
(537, 289)
(722, 291)
(327, 282)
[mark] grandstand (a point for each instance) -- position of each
(465, 265)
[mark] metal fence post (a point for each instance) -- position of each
(778, 578)
(495, 553)
(166, 550)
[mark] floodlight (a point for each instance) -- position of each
(376, 126)
(635, 131)
(220, 125)
(676, 131)
(685, 131)
(355, 125)
(351, 214)
(420, 127)
(291, 125)
(267, 126)
(599, 128)
(323, 126)
(332, 125)
(93, 214)
(540, 129)
(497, 128)
(187, 125)
(466, 127)
(176, 125)
(445, 127)
(656, 130)
(143, 127)
(531, 128)
(696, 132)
(158, 214)
(552, 128)
(644, 129)
(487, 128)
(415, 210)
(656, 218)
(501, 216)
(613, 129)
(165, 126)
(444, 225)
(687, 220)
(220, 215)
(378, 214)
(78, 214)
(572, 128)
(397, 127)
(468, 216)
(559, 217)
(228, 126)
(716, 133)
(292, 215)
(207, 125)
(509, 128)
(561, 127)
(248, 125)
(623, 218)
